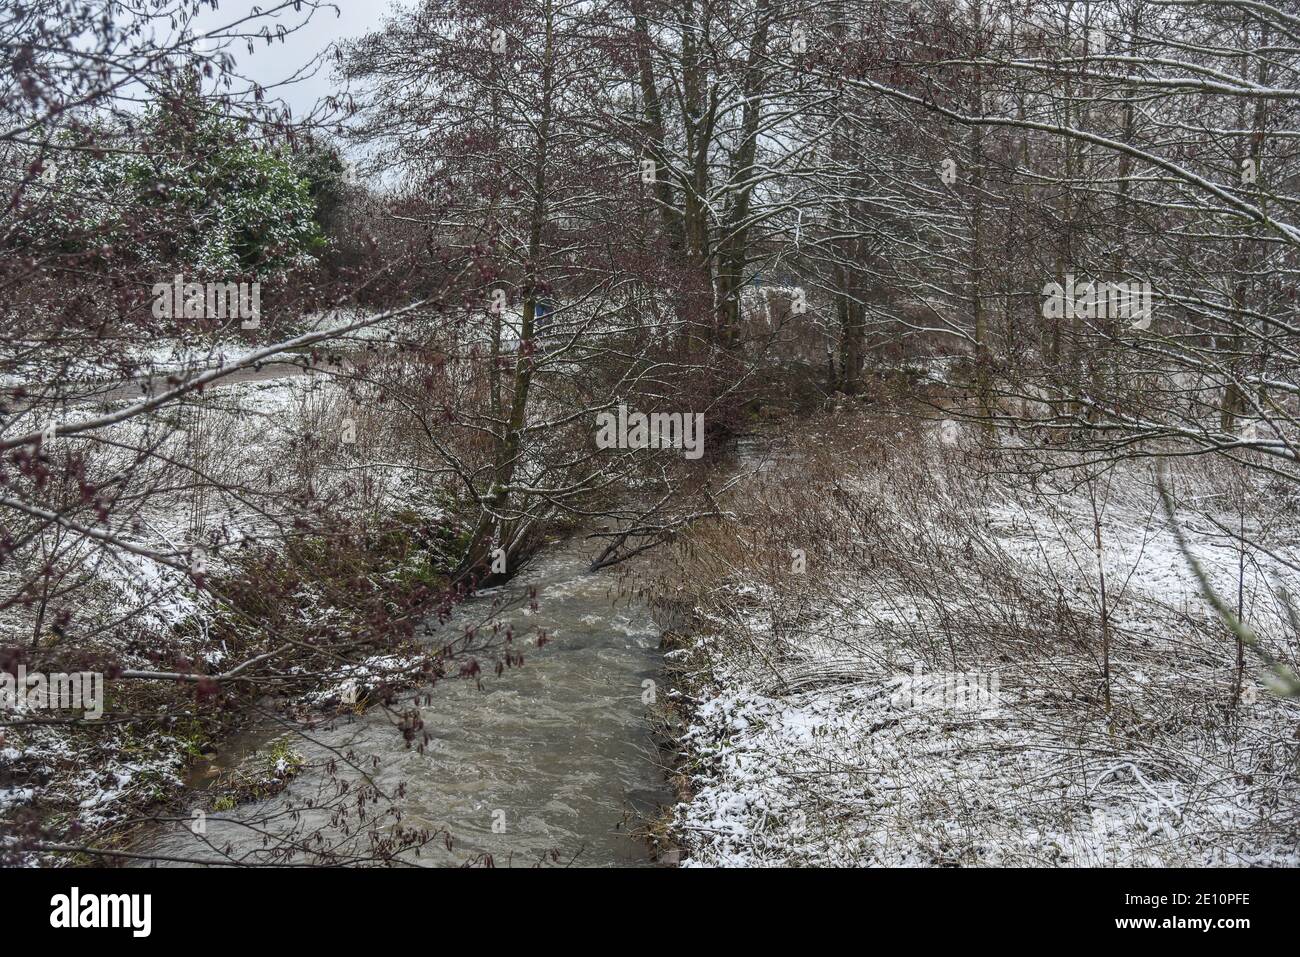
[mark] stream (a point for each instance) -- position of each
(552, 761)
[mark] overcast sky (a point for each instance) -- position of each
(269, 65)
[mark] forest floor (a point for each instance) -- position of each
(894, 656)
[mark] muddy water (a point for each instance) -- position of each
(553, 757)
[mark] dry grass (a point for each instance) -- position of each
(806, 742)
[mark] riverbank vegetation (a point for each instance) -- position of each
(911, 651)
(986, 550)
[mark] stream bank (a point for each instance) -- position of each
(549, 763)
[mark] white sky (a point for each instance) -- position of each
(270, 65)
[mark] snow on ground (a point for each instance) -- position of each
(930, 691)
(255, 437)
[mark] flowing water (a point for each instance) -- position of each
(552, 757)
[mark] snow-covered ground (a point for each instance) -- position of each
(929, 689)
(171, 355)
(257, 442)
